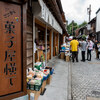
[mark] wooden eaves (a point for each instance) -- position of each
(54, 8)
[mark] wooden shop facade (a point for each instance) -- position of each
(29, 29)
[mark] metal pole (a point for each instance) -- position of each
(46, 45)
(72, 27)
(33, 40)
(89, 13)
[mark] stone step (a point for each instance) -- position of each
(92, 98)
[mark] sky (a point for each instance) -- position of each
(77, 9)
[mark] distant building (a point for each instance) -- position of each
(98, 24)
(92, 30)
(89, 29)
(80, 31)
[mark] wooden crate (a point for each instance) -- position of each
(62, 55)
(43, 86)
(49, 80)
(36, 94)
(67, 58)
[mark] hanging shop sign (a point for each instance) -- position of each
(47, 16)
(88, 27)
(11, 78)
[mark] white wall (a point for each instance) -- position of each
(98, 22)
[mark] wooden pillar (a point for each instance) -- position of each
(63, 38)
(58, 43)
(24, 47)
(46, 45)
(51, 44)
(57, 38)
(33, 40)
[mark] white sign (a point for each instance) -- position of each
(47, 16)
(88, 27)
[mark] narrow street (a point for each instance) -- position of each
(86, 79)
(57, 90)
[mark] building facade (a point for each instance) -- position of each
(29, 29)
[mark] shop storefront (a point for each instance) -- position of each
(30, 38)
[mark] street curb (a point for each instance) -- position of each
(69, 81)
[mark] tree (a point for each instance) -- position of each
(73, 25)
(83, 24)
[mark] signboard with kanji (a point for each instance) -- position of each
(10, 49)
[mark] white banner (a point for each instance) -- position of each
(47, 16)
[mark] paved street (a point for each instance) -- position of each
(57, 90)
(86, 79)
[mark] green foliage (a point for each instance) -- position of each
(75, 26)
(69, 28)
(83, 24)
(84, 36)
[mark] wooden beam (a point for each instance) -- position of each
(53, 44)
(51, 40)
(33, 40)
(46, 45)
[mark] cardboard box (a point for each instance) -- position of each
(62, 55)
(36, 94)
(67, 58)
(49, 79)
(40, 53)
(43, 86)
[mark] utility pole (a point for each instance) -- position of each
(72, 27)
(89, 12)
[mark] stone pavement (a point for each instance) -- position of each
(86, 79)
(57, 90)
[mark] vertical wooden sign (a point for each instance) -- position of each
(10, 49)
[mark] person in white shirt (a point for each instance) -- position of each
(89, 49)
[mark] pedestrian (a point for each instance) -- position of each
(74, 49)
(83, 45)
(96, 48)
(89, 49)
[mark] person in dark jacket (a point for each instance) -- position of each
(96, 48)
(98, 45)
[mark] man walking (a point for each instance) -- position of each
(74, 49)
(89, 49)
(83, 49)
